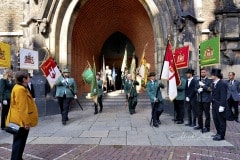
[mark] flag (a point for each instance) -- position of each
(210, 52)
(94, 85)
(181, 57)
(114, 74)
(170, 73)
(5, 55)
(28, 59)
(51, 71)
(124, 62)
(133, 67)
(103, 74)
(143, 69)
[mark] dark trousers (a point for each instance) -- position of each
(233, 104)
(157, 110)
(219, 120)
(64, 104)
(132, 103)
(100, 102)
(204, 107)
(191, 112)
(179, 109)
(5, 109)
(19, 142)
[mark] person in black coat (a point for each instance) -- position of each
(191, 97)
(219, 102)
(204, 98)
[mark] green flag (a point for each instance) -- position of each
(210, 52)
(94, 86)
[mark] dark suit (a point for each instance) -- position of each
(219, 98)
(191, 105)
(233, 96)
(31, 89)
(204, 99)
(130, 88)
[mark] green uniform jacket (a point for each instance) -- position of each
(130, 87)
(181, 90)
(5, 89)
(152, 90)
(62, 88)
(100, 87)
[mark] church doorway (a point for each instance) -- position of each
(113, 50)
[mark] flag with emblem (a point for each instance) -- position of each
(51, 71)
(170, 73)
(210, 52)
(181, 56)
(5, 55)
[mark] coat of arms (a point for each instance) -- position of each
(208, 53)
(29, 59)
(2, 56)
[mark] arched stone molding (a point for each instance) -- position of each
(63, 22)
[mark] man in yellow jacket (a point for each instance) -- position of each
(23, 112)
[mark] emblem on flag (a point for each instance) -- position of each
(51, 71)
(28, 59)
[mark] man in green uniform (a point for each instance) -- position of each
(131, 93)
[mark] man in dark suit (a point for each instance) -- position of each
(219, 102)
(191, 98)
(233, 94)
(204, 98)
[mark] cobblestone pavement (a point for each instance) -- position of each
(117, 135)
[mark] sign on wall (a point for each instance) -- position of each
(28, 59)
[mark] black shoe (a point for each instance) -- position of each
(188, 124)
(218, 138)
(67, 119)
(100, 111)
(204, 130)
(237, 120)
(197, 128)
(215, 135)
(159, 122)
(192, 125)
(64, 122)
(155, 125)
(179, 122)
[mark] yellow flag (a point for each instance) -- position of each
(5, 55)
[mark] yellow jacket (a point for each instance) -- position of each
(23, 110)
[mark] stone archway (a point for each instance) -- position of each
(81, 27)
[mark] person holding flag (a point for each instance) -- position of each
(155, 95)
(65, 86)
(131, 93)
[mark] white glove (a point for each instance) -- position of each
(221, 109)
(5, 102)
(201, 83)
(75, 97)
(155, 99)
(187, 99)
(63, 81)
(200, 90)
(34, 99)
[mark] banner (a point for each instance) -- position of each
(124, 62)
(181, 57)
(210, 52)
(28, 59)
(170, 73)
(5, 55)
(133, 67)
(51, 71)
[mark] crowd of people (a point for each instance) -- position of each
(195, 97)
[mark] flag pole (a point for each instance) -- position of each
(200, 78)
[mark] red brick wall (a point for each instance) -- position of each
(97, 20)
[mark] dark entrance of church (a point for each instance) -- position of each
(112, 52)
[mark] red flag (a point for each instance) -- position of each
(181, 56)
(170, 73)
(51, 71)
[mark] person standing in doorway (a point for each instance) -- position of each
(6, 85)
(191, 98)
(204, 99)
(219, 102)
(131, 93)
(23, 112)
(66, 90)
(233, 97)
